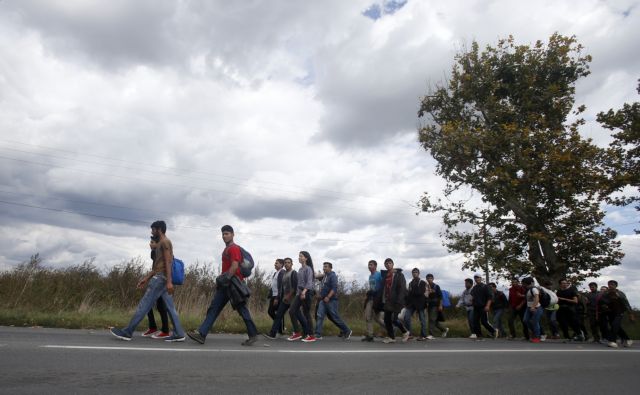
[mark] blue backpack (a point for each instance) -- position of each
(177, 272)
(246, 266)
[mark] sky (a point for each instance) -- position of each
(295, 122)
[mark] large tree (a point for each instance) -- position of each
(500, 127)
(626, 145)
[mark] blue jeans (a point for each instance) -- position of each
(330, 308)
(157, 288)
(277, 322)
(532, 319)
(220, 299)
(497, 320)
(421, 315)
(470, 319)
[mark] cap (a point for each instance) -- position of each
(477, 275)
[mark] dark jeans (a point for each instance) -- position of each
(514, 314)
(220, 299)
(300, 312)
(594, 326)
(481, 316)
(616, 330)
(550, 315)
(391, 320)
(433, 320)
(567, 318)
(328, 314)
(279, 319)
(272, 311)
(164, 318)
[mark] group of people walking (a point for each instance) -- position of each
(390, 302)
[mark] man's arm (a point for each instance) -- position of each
(333, 287)
(168, 263)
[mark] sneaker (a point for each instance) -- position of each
(628, 343)
(309, 339)
(612, 344)
(160, 335)
(249, 341)
(295, 336)
(174, 339)
(446, 332)
(430, 337)
(406, 336)
(555, 337)
(367, 339)
(473, 336)
(150, 333)
(196, 336)
(347, 335)
(496, 333)
(535, 340)
(410, 337)
(269, 336)
(317, 337)
(388, 340)
(543, 338)
(421, 339)
(119, 333)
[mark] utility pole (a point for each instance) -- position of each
(484, 247)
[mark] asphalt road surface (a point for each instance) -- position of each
(52, 361)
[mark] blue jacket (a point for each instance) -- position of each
(329, 282)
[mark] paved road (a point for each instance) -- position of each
(36, 360)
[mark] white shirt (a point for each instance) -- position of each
(274, 283)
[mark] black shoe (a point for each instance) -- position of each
(250, 341)
(269, 336)
(196, 336)
(367, 339)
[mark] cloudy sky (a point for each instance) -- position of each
(293, 121)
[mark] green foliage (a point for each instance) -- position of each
(499, 126)
(626, 145)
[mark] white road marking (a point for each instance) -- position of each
(393, 351)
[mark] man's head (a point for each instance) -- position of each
(415, 273)
(477, 278)
(604, 288)
(593, 287)
(515, 281)
(564, 283)
(288, 263)
(326, 267)
(278, 264)
(227, 234)
(429, 278)
(493, 286)
(613, 284)
(372, 265)
(158, 228)
(527, 282)
(468, 283)
(388, 263)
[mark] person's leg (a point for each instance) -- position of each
(271, 310)
(152, 321)
(614, 323)
(306, 310)
(178, 331)
(497, 321)
(423, 322)
(280, 313)
(512, 314)
(244, 312)
(525, 328)
(563, 320)
(485, 322)
(151, 294)
(477, 317)
(536, 322)
(594, 326)
(321, 312)
(433, 318)
(408, 313)
(332, 309)
(164, 318)
(388, 323)
(553, 323)
(368, 316)
(218, 302)
(295, 306)
(472, 329)
(300, 316)
(527, 320)
(398, 323)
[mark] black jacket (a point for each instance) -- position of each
(415, 294)
(395, 301)
(280, 277)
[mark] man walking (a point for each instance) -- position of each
(434, 307)
(329, 303)
(517, 308)
(275, 293)
(592, 305)
(231, 258)
(159, 285)
(482, 298)
(466, 301)
(372, 310)
(534, 310)
(416, 301)
(393, 298)
(288, 292)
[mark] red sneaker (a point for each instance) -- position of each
(160, 335)
(309, 339)
(150, 333)
(295, 336)
(535, 340)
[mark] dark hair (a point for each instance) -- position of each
(388, 260)
(288, 259)
(493, 285)
(160, 225)
(429, 275)
(527, 281)
(280, 261)
(309, 260)
(374, 262)
(562, 279)
(415, 270)
(614, 282)
(594, 284)
(468, 281)
(226, 228)
(329, 264)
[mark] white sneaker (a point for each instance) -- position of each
(612, 344)
(388, 340)
(446, 332)
(628, 343)
(543, 338)
(405, 336)
(473, 336)
(430, 337)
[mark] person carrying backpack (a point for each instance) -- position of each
(231, 277)
(534, 309)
